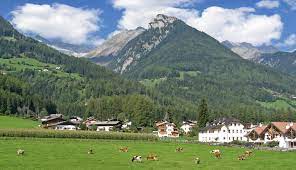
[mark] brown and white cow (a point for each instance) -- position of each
(216, 153)
(124, 149)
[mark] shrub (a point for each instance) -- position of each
(272, 144)
(41, 133)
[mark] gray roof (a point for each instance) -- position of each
(225, 121)
(104, 123)
(214, 127)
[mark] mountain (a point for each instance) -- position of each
(36, 80)
(110, 48)
(66, 48)
(183, 62)
(282, 61)
(248, 51)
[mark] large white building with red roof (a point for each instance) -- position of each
(282, 132)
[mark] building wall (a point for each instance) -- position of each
(168, 129)
(229, 133)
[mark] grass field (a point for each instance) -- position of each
(7, 122)
(279, 104)
(22, 63)
(72, 154)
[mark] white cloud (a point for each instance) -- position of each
(291, 3)
(237, 25)
(58, 21)
(269, 4)
(139, 13)
(289, 42)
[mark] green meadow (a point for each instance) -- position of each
(72, 154)
(8, 122)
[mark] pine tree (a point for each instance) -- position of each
(203, 116)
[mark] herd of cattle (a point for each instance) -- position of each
(153, 157)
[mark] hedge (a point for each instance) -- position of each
(42, 133)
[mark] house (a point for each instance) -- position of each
(76, 120)
(52, 119)
(187, 126)
(89, 122)
(108, 125)
(223, 130)
(167, 129)
(64, 125)
(282, 132)
(127, 125)
(45, 118)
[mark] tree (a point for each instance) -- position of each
(203, 116)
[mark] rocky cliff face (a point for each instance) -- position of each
(248, 51)
(110, 48)
(158, 30)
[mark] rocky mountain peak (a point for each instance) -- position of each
(161, 21)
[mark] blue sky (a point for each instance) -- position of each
(92, 21)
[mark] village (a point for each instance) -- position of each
(220, 131)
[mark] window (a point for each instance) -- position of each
(234, 124)
(241, 138)
(233, 138)
(236, 138)
(228, 131)
(236, 131)
(241, 131)
(232, 131)
(224, 138)
(223, 130)
(229, 138)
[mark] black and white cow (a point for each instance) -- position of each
(137, 159)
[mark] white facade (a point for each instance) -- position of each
(166, 129)
(104, 128)
(275, 132)
(65, 127)
(186, 128)
(224, 132)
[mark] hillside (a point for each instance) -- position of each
(282, 61)
(190, 64)
(38, 80)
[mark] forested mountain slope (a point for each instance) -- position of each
(184, 62)
(282, 61)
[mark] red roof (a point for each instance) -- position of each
(260, 129)
(282, 126)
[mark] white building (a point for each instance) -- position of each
(127, 125)
(108, 125)
(223, 130)
(167, 129)
(282, 132)
(187, 126)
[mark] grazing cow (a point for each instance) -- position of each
(137, 159)
(90, 151)
(197, 160)
(248, 153)
(216, 153)
(20, 152)
(179, 149)
(125, 149)
(152, 157)
(241, 157)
